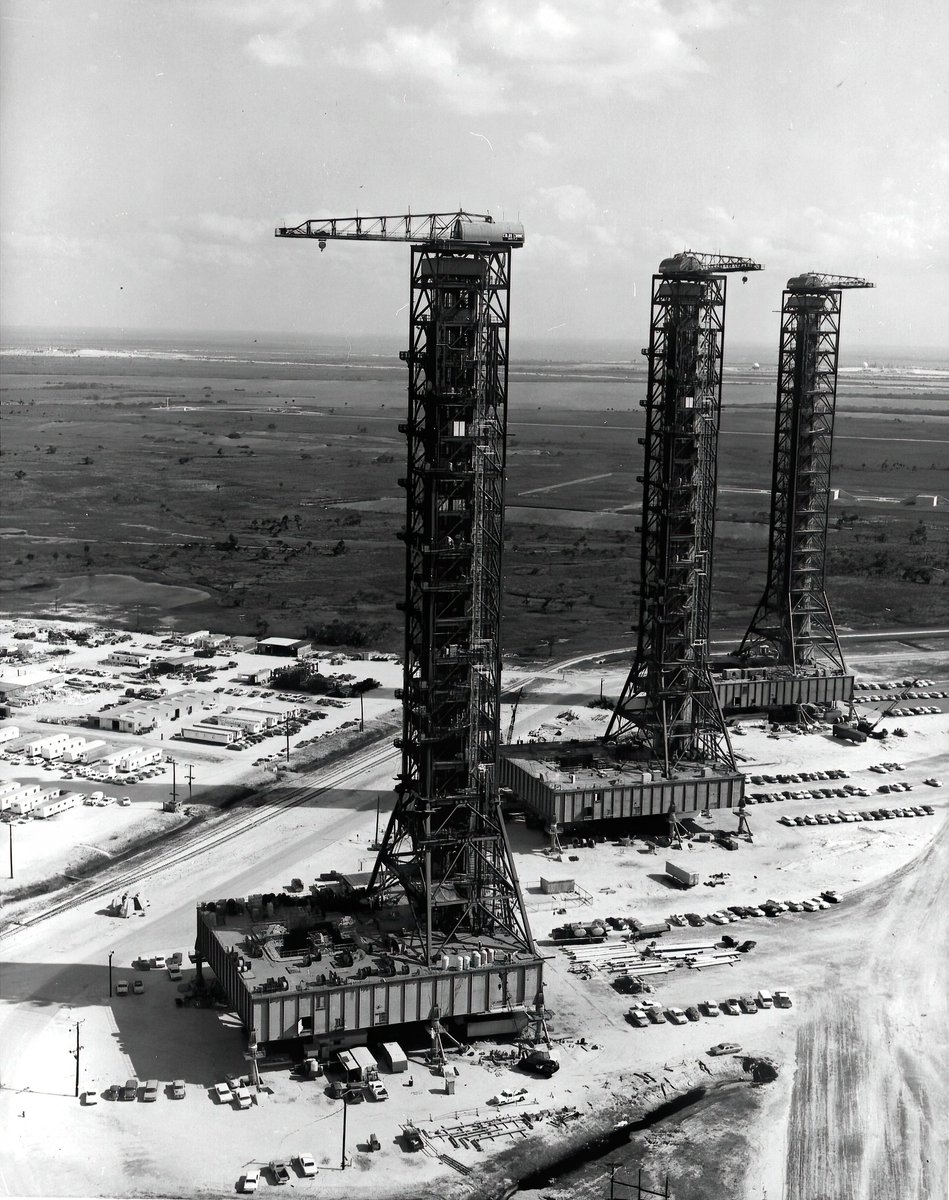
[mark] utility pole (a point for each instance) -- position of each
(190, 777)
(10, 828)
(174, 784)
(111, 952)
(287, 730)
(362, 715)
(342, 1161)
(76, 1053)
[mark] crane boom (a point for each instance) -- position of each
(814, 281)
(690, 262)
(460, 226)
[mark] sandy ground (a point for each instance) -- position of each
(203, 775)
(854, 1112)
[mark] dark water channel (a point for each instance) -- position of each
(620, 1141)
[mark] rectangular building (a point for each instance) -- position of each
(292, 971)
(576, 784)
(215, 735)
(758, 689)
(284, 647)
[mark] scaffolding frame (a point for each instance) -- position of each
(445, 847)
(793, 627)
(668, 703)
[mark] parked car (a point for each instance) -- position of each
(250, 1181)
(178, 1089)
(711, 1009)
(243, 1097)
(150, 1090)
(122, 988)
(222, 1093)
(130, 1091)
(832, 895)
(507, 1096)
(725, 1048)
(782, 1000)
(138, 986)
(731, 1007)
(747, 1004)
(305, 1164)
(676, 1016)
(693, 1013)
(639, 1019)
(377, 1090)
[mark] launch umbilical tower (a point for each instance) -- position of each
(792, 627)
(668, 703)
(445, 849)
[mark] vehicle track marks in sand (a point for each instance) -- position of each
(867, 1108)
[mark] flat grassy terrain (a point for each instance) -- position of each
(271, 489)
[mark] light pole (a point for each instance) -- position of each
(76, 1054)
(342, 1161)
(10, 828)
(111, 952)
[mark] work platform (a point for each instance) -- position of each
(293, 968)
(758, 689)
(582, 782)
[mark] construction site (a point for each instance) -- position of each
(438, 932)
(620, 924)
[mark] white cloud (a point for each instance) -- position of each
(430, 65)
(600, 47)
(536, 143)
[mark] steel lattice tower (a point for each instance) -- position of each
(446, 846)
(668, 702)
(792, 626)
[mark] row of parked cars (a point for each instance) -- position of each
(644, 1012)
(870, 814)
(147, 1092)
(800, 777)
(304, 1164)
(813, 794)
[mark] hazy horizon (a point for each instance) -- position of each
(567, 349)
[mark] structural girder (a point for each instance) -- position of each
(445, 848)
(668, 703)
(793, 627)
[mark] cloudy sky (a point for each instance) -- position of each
(150, 146)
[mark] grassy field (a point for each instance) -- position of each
(273, 489)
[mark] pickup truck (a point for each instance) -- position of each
(377, 1090)
(279, 1171)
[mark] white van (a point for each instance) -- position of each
(765, 999)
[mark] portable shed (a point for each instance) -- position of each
(393, 1057)
(358, 1064)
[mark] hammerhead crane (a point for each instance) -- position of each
(445, 851)
(792, 627)
(668, 703)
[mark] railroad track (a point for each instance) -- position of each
(146, 865)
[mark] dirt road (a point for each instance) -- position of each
(867, 1118)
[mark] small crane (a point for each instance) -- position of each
(425, 228)
(814, 281)
(691, 262)
(510, 728)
